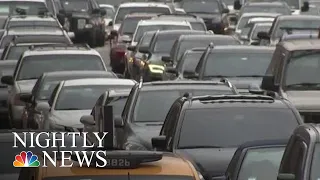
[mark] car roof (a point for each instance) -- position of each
(218, 101)
(183, 85)
(259, 14)
(24, 31)
(300, 44)
(274, 3)
(61, 51)
(240, 48)
(298, 17)
(8, 62)
(76, 73)
(134, 15)
(32, 18)
(170, 164)
(99, 81)
(150, 22)
(193, 37)
(143, 4)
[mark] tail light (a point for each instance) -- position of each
(17, 101)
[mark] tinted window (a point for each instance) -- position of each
(264, 28)
(237, 64)
(198, 26)
(49, 63)
(307, 62)
(190, 62)
(258, 9)
(223, 126)
(120, 177)
(293, 4)
(31, 7)
(68, 98)
(305, 23)
(15, 52)
(166, 98)
(142, 29)
(48, 84)
(118, 104)
(315, 173)
(262, 163)
(129, 25)
(75, 5)
(123, 11)
(13, 24)
(211, 7)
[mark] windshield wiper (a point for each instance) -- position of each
(304, 84)
(198, 147)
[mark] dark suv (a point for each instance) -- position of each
(85, 20)
(208, 129)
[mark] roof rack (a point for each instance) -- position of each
(176, 14)
(230, 85)
(33, 47)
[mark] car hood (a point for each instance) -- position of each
(69, 118)
(243, 83)
(304, 100)
(145, 131)
(25, 86)
(211, 162)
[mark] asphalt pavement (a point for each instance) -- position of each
(104, 52)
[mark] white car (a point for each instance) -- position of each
(137, 7)
(155, 25)
(72, 99)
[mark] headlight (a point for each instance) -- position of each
(200, 176)
(134, 146)
(156, 68)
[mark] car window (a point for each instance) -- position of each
(255, 31)
(15, 52)
(7, 70)
(110, 12)
(261, 163)
(293, 4)
(50, 6)
(223, 125)
(265, 9)
(50, 63)
(237, 64)
(129, 25)
(118, 104)
(123, 11)
(296, 23)
(208, 7)
(190, 62)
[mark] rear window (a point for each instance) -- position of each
(50, 63)
(198, 26)
(233, 126)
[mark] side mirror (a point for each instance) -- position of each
(43, 107)
(237, 5)
(225, 11)
(263, 35)
(87, 120)
(159, 142)
(118, 122)
(171, 70)
(144, 50)
(166, 59)
(268, 83)
(285, 176)
(305, 7)
(103, 12)
(7, 80)
(110, 23)
(131, 48)
(26, 98)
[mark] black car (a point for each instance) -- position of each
(8, 152)
(85, 20)
(258, 159)
(148, 104)
(211, 11)
(237, 63)
(208, 129)
(6, 68)
(44, 87)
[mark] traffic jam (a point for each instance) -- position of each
(143, 82)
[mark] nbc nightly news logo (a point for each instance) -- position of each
(28, 159)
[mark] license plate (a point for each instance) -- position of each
(81, 23)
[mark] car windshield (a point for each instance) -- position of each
(50, 63)
(198, 26)
(190, 62)
(293, 4)
(224, 124)
(295, 23)
(146, 100)
(164, 43)
(15, 52)
(68, 98)
(122, 177)
(142, 29)
(13, 24)
(129, 25)
(261, 163)
(31, 7)
(75, 5)
(48, 84)
(123, 11)
(203, 6)
(315, 174)
(306, 61)
(257, 29)
(186, 45)
(233, 64)
(265, 9)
